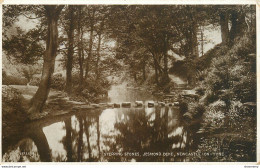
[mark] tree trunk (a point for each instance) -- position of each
(90, 44)
(224, 27)
(165, 61)
(98, 56)
(70, 50)
(194, 30)
(144, 72)
(195, 50)
(156, 68)
(87, 135)
(68, 140)
(80, 140)
(39, 99)
(238, 25)
(98, 138)
(156, 74)
(41, 143)
(80, 50)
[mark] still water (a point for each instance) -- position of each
(112, 134)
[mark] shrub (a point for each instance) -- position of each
(58, 82)
(183, 106)
(35, 81)
(12, 104)
(13, 80)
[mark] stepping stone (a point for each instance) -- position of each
(103, 104)
(126, 104)
(139, 103)
(161, 103)
(150, 104)
(110, 105)
(116, 105)
(176, 103)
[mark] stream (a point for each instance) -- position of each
(112, 134)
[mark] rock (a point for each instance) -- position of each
(95, 105)
(161, 104)
(190, 94)
(169, 95)
(250, 104)
(139, 103)
(176, 103)
(252, 55)
(201, 131)
(150, 104)
(103, 104)
(126, 104)
(82, 107)
(110, 105)
(117, 105)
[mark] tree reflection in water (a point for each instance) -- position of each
(92, 135)
(155, 131)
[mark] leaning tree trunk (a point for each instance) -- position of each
(70, 51)
(39, 99)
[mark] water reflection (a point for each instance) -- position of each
(125, 134)
(121, 134)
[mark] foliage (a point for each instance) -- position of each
(12, 103)
(224, 86)
(28, 71)
(58, 82)
(90, 90)
(13, 80)
(25, 47)
(35, 81)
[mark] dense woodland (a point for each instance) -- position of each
(99, 46)
(97, 41)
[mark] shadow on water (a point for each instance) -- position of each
(120, 134)
(124, 134)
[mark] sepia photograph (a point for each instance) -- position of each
(129, 83)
